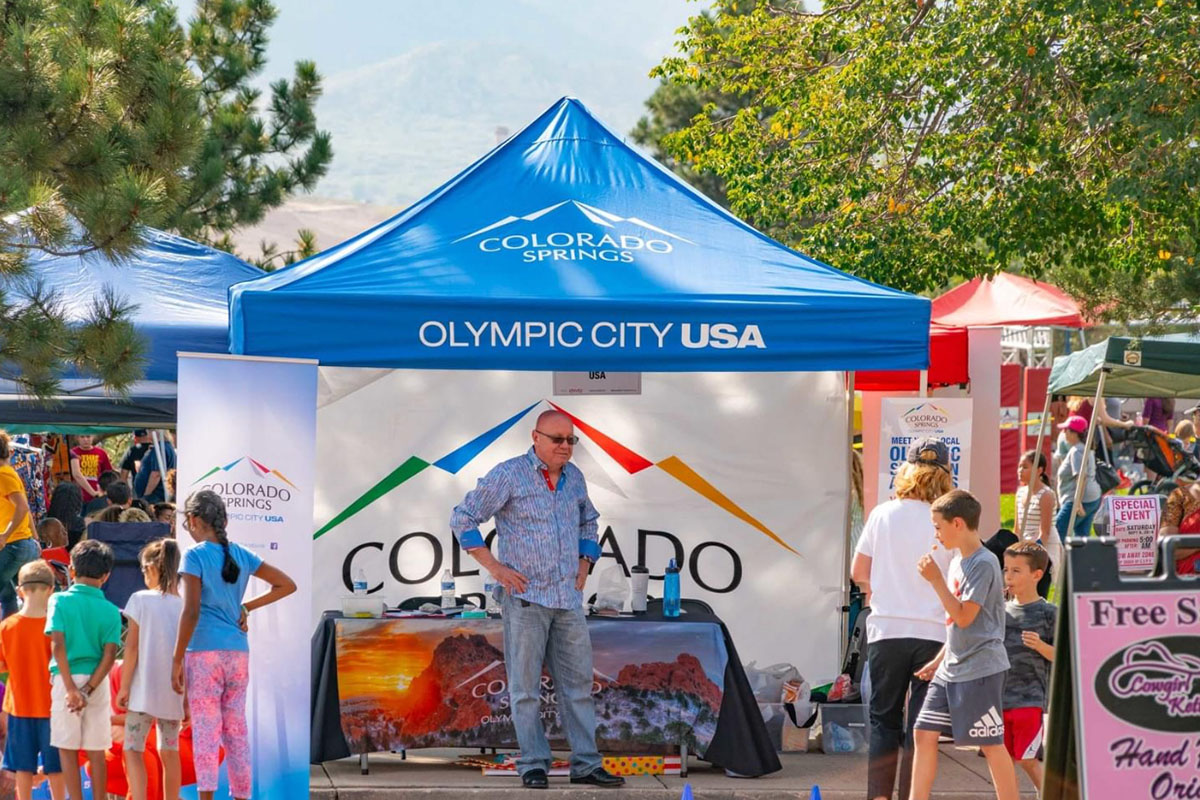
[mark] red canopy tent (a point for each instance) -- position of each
(1011, 300)
(1006, 299)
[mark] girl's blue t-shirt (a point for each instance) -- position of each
(220, 602)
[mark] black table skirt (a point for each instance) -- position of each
(741, 742)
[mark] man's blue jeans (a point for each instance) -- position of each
(12, 557)
(535, 634)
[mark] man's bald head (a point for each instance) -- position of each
(546, 417)
(551, 426)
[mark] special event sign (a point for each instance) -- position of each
(1133, 521)
(409, 683)
(1137, 674)
(904, 420)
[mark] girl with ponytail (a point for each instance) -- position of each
(212, 652)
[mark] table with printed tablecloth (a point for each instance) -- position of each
(401, 683)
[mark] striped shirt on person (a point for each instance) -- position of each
(541, 533)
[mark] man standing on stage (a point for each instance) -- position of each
(546, 535)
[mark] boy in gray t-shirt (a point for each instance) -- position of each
(965, 698)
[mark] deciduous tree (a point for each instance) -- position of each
(916, 142)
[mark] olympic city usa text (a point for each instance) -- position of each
(532, 333)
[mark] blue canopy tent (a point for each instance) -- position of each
(181, 291)
(564, 247)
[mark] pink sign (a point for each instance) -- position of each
(1133, 521)
(1137, 677)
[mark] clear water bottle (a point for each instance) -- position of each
(671, 591)
(448, 595)
(359, 584)
(490, 598)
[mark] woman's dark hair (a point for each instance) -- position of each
(66, 505)
(141, 503)
(5, 445)
(210, 508)
(1037, 462)
(163, 555)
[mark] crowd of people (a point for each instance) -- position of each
(960, 635)
(151, 696)
(959, 640)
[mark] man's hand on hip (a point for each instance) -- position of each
(581, 578)
(512, 581)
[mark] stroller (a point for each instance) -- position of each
(1165, 456)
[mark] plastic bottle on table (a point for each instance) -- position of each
(671, 591)
(491, 602)
(359, 584)
(449, 598)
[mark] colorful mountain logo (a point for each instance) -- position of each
(928, 408)
(629, 460)
(262, 469)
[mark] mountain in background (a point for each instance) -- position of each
(406, 125)
(416, 92)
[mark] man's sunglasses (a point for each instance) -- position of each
(571, 440)
(35, 583)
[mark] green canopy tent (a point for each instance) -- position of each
(1161, 366)
(1158, 366)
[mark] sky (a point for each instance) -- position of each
(416, 90)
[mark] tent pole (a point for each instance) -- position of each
(1087, 448)
(923, 389)
(1032, 471)
(847, 531)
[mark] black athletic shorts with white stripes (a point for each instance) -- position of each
(969, 711)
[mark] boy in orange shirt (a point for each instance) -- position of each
(25, 654)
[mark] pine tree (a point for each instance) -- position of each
(99, 117)
(114, 119)
(250, 161)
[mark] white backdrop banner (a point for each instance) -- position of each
(247, 430)
(903, 420)
(742, 477)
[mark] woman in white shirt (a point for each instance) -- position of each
(907, 625)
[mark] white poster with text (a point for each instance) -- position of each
(247, 430)
(1133, 521)
(741, 477)
(904, 420)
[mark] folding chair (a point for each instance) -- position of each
(127, 540)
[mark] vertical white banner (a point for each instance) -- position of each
(904, 420)
(247, 430)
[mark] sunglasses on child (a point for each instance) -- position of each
(571, 440)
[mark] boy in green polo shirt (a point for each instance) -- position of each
(84, 630)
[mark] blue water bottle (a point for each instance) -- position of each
(671, 591)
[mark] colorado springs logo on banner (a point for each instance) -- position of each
(615, 245)
(261, 496)
(562, 236)
(903, 420)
